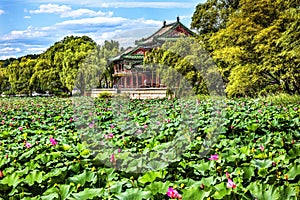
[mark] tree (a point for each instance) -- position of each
(3, 80)
(251, 50)
(211, 16)
(57, 68)
(95, 70)
(19, 74)
(184, 63)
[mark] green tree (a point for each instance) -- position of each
(250, 51)
(184, 63)
(211, 16)
(19, 73)
(95, 70)
(4, 86)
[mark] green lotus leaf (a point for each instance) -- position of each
(65, 191)
(151, 176)
(263, 191)
(158, 187)
(293, 172)
(134, 194)
(195, 193)
(11, 179)
(88, 193)
(262, 163)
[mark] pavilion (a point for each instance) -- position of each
(129, 69)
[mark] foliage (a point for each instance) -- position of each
(105, 95)
(185, 64)
(211, 16)
(96, 71)
(258, 145)
(61, 67)
(254, 44)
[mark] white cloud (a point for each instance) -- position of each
(27, 17)
(94, 21)
(35, 50)
(128, 4)
(85, 12)
(51, 8)
(7, 57)
(67, 12)
(2, 12)
(147, 5)
(9, 50)
(30, 32)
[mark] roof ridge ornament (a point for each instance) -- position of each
(178, 18)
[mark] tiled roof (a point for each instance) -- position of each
(160, 32)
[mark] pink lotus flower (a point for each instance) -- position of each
(3, 122)
(112, 158)
(20, 128)
(262, 148)
(28, 145)
(214, 157)
(227, 175)
(53, 141)
(231, 184)
(173, 194)
(119, 150)
(91, 125)
(109, 136)
(145, 126)
(112, 126)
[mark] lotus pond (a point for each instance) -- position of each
(53, 148)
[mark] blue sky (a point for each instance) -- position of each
(31, 26)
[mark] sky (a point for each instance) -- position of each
(32, 26)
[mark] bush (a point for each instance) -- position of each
(105, 95)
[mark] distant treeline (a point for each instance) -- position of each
(55, 71)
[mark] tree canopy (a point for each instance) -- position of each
(56, 70)
(255, 44)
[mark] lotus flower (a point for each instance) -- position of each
(20, 128)
(1, 174)
(227, 175)
(53, 141)
(27, 145)
(173, 194)
(262, 148)
(231, 184)
(109, 136)
(214, 157)
(112, 158)
(91, 125)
